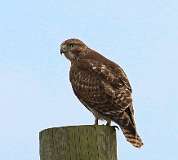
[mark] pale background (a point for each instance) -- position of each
(35, 93)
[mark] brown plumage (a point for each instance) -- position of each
(102, 87)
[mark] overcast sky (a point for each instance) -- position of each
(35, 93)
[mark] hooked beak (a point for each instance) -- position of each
(62, 49)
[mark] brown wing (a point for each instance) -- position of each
(114, 81)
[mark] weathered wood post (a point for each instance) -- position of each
(88, 142)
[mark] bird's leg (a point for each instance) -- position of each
(96, 121)
(108, 123)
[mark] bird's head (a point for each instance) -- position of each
(73, 49)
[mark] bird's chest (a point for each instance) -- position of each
(86, 85)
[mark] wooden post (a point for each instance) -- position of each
(89, 142)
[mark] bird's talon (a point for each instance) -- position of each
(116, 127)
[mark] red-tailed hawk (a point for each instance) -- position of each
(102, 87)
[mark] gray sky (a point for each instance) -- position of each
(35, 93)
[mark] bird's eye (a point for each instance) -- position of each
(71, 45)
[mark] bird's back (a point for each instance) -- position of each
(92, 89)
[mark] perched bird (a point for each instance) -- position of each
(102, 87)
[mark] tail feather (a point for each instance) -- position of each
(128, 127)
(134, 139)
